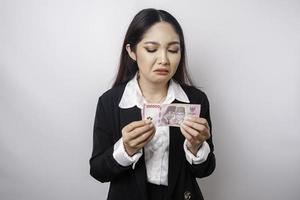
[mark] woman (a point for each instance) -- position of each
(139, 160)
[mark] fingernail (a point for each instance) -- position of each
(149, 118)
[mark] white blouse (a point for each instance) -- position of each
(157, 150)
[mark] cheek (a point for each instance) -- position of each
(178, 58)
(145, 59)
(175, 60)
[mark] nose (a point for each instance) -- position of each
(163, 59)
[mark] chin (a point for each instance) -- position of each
(162, 80)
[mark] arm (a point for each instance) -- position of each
(206, 168)
(197, 134)
(103, 166)
(110, 158)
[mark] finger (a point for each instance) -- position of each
(143, 139)
(198, 120)
(185, 134)
(190, 130)
(142, 144)
(136, 124)
(196, 135)
(195, 126)
(191, 140)
(137, 132)
(146, 136)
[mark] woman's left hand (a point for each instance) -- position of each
(196, 130)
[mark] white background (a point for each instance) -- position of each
(58, 56)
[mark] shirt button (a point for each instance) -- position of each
(187, 195)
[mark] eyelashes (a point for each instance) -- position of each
(150, 51)
(154, 50)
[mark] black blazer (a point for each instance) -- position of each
(129, 184)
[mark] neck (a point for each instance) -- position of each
(153, 92)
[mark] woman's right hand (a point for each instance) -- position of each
(136, 135)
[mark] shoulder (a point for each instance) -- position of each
(194, 94)
(113, 95)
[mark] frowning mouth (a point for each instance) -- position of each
(162, 70)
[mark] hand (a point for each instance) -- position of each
(136, 135)
(196, 130)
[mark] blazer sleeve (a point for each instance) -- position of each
(103, 166)
(206, 168)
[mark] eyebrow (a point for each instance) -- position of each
(156, 43)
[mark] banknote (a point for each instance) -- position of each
(169, 114)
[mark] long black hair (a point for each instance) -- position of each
(142, 21)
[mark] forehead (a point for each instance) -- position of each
(162, 33)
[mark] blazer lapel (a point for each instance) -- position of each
(127, 116)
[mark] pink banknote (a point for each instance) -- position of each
(170, 114)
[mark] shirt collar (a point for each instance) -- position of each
(132, 95)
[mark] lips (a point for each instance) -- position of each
(162, 70)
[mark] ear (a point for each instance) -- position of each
(130, 53)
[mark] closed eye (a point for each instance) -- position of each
(151, 51)
(173, 51)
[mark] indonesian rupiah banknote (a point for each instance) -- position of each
(169, 114)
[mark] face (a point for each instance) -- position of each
(157, 54)
(180, 113)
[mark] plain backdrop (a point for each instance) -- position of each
(58, 56)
